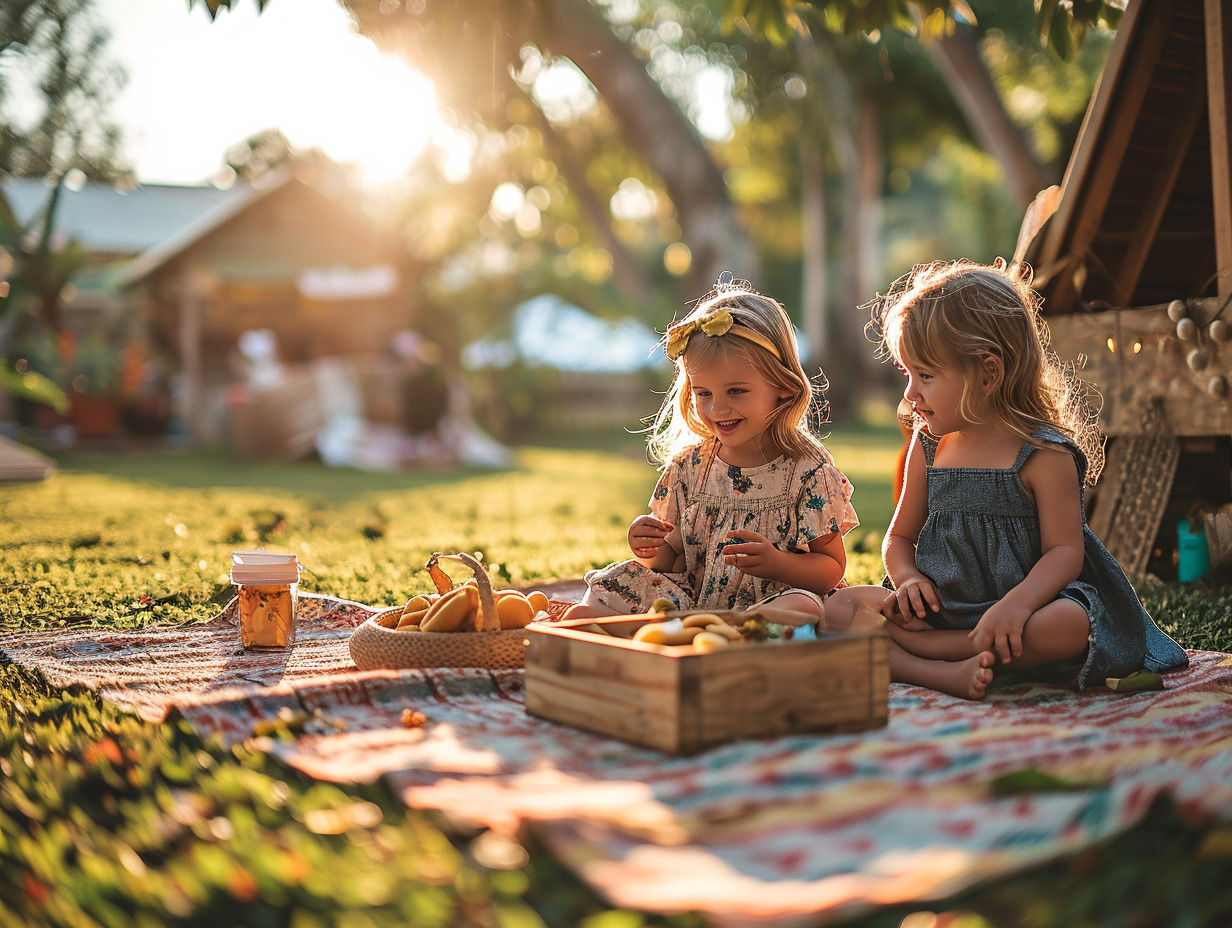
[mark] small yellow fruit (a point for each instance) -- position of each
(452, 610)
(701, 619)
(512, 608)
(538, 600)
(662, 604)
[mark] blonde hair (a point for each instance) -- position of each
(952, 315)
(677, 426)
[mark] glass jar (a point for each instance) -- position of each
(268, 597)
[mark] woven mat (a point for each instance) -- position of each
(786, 831)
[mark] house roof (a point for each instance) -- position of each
(1145, 212)
(120, 222)
(242, 197)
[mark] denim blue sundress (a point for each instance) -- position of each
(982, 537)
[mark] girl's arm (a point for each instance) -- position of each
(1051, 478)
(819, 569)
(914, 592)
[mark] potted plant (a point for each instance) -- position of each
(94, 387)
(34, 379)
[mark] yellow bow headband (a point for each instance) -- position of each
(713, 324)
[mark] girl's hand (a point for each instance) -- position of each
(1000, 630)
(646, 534)
(753, 554)
(889, 609)
(916, 597)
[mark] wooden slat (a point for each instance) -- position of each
(1219, 94)
(1101, 144)
(1156, 202)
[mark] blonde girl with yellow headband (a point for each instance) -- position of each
(749, 506)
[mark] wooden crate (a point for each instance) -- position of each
(682, 701)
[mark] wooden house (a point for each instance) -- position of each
(195, 267)
(1135, 267)
(298, 258)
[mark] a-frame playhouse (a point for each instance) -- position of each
(1135, 267)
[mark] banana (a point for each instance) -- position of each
(672, 631)
(452, 611)
(416, 604)
(701, 619)
(411, 618)
(709, 641)
(725, 630)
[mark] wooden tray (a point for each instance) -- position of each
(681, 701)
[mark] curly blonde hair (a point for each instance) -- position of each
(790, 427)
(951, 315)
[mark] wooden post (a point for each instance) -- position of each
(190, 354)
(1219, 91)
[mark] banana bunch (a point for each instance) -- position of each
(472, 606)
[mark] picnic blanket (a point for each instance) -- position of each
(784, 831)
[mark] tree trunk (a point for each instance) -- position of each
(958, 58)
(655, 128)
(813, 258)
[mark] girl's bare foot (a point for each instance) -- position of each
(972, 676)
(966, 679)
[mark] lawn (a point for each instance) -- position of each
(107, 820)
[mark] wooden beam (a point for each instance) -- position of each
(191, 369)
(1156, 202)
(1100, 149)
(1219, 93)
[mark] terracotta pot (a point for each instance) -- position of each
(94, 416)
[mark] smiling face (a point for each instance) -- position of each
(735, 402)
(936, 395)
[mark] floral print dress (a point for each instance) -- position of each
(790, 501)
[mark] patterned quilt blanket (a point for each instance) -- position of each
(783, 831)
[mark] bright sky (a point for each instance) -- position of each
(197, 87)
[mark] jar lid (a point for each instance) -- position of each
(255, 568)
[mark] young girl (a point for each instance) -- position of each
(989, 552)
(750, 507)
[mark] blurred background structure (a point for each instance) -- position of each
(612, 155)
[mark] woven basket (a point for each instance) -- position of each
(1218, 536)
(375, 647)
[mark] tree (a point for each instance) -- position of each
(473, 49)
(60, 54)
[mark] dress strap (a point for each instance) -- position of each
(1023, 453)
(928, 443)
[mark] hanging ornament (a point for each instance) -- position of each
(1217, 386)
(1177, 310)
(1187, 330)
(1219, 331)
(1198, 359)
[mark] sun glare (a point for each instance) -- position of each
(371, 110)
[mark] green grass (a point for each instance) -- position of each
(107, 820)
